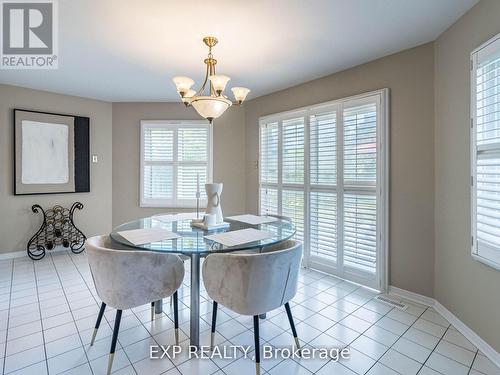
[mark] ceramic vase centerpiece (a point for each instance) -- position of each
(213, 205)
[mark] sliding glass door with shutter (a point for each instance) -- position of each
(325, 166)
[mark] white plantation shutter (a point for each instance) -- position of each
(293, 207)
(323, 149)
(360, 232)
(360, 145)
(269, 201)
(360, 178)
(323, 227)
(173, 156)
(269, 153)
(323, 180)
(324, 166)
(159, 158)
(293, 151)
(485, 138)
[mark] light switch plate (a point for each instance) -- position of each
(94, 158)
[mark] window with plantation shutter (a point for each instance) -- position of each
(175, 155)
(325, 167)
(485, 155)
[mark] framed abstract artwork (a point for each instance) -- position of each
(51, 153)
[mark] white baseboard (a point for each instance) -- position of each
(14, 254)
(472, 336)
(23, 253)
(415, 297)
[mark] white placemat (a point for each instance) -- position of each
(142, 236)
(168, 218)
(239, 237)
(253, 219)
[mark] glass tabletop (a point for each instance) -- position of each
(192, 239)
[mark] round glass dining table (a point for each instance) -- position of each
(192, 243)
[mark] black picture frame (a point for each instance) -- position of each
(81, 139)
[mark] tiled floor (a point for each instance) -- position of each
(48, 309)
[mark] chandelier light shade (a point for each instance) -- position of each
(183, 84)
(209, 101)
(240, 93)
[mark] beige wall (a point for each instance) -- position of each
(466, 287)
(409, 75)
(18, 222)
(228, 146)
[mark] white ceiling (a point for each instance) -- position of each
(128, 50)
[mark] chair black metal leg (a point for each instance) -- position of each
(256, 343)
(152, 311)
(292, 324)
(214, 322)
(113, 340)
(98, 322)
(176, 317)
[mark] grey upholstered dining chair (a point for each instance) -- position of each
(126, 278)
(254, 284)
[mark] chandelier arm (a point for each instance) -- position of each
(200, 91)
(212, 72)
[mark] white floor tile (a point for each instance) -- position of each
(132, 335)
(392, 325)
(39, 368)
(306, 332)
(100, 365)
(63, 345)
(429, 327)
(242, 366)
(457, 338)
(230, 329)
(367, 315)
(355, 323)
(322, 321)
(343, 333)
(67, 360)
(421, 338)
(380, 369)
(148, 366)
(400, 362)
(445, 365)
(335, 368)
(402, 317)
(381, 335)
(456, 353)
(411, 349)
(139, 350)
(24, 343)
(428, 371)
(359, 362)
(434, 317)
(289, 367)
(369, 347)
(23, 359)
(484, 365)
(79, 370)
(24, 330)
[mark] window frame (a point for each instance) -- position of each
(175, 125)
(491, 259)
(380, 282)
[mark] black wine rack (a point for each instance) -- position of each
(57, 229)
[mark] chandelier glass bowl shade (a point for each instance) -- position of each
(209, 101)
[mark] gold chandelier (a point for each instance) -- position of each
(214, 104)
